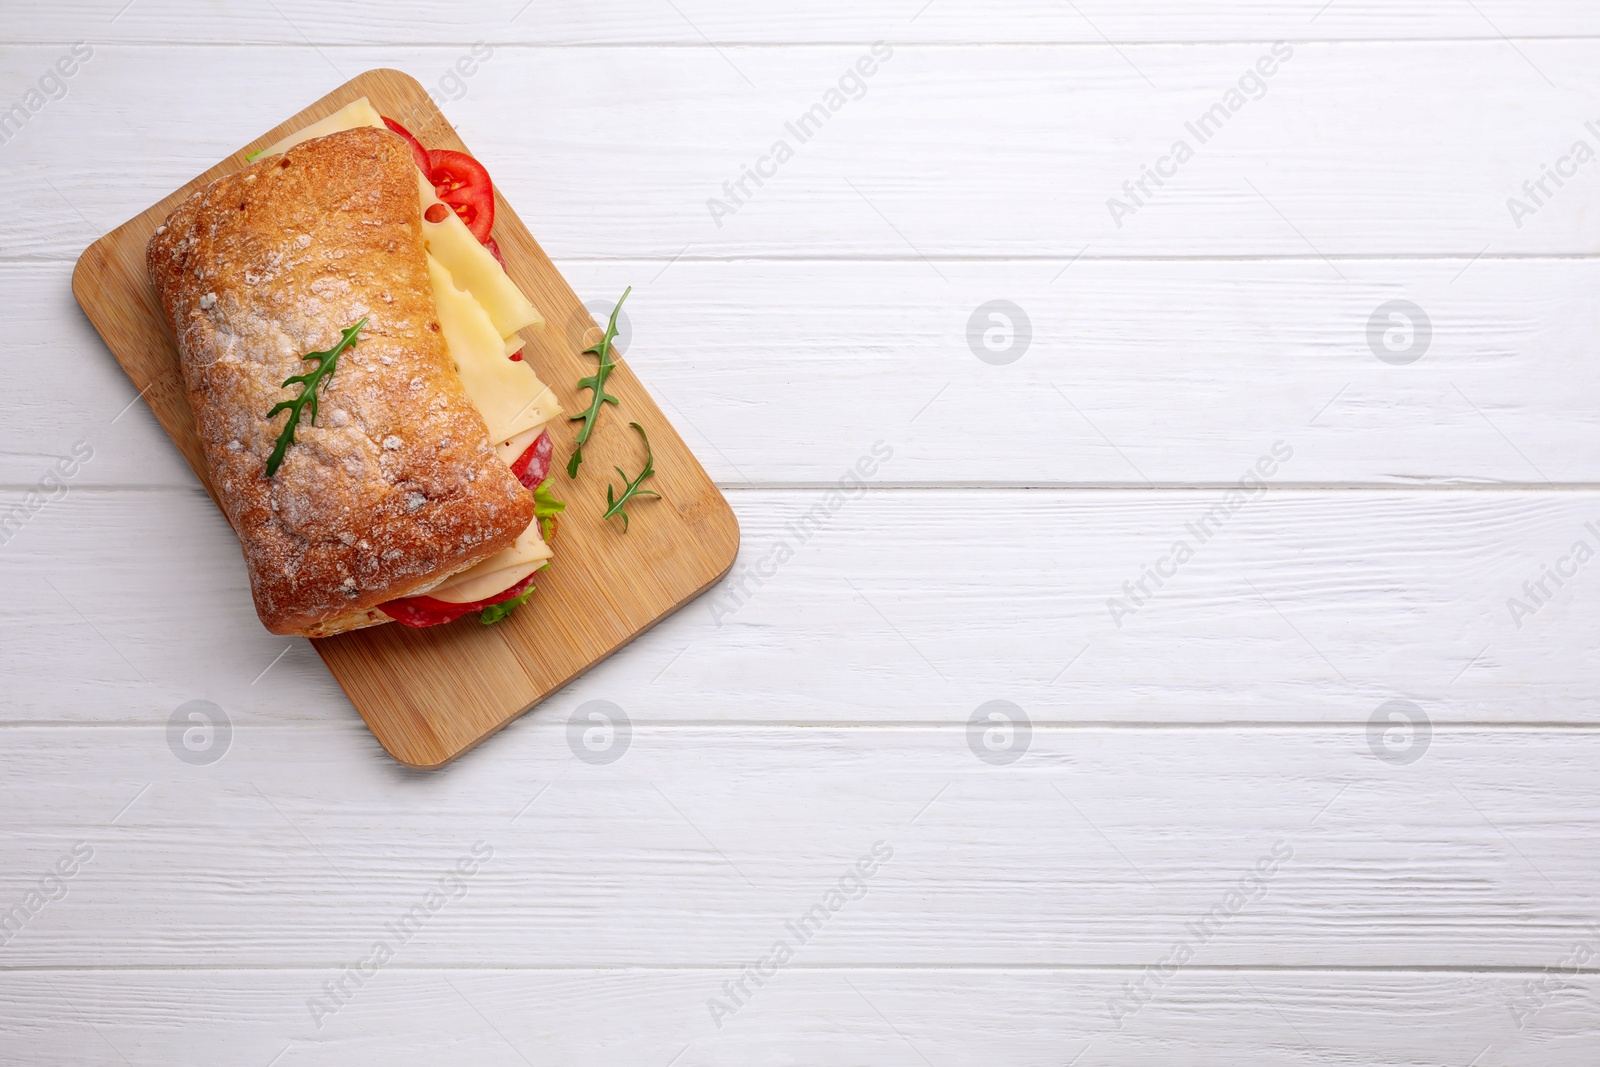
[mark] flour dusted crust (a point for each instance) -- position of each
(396, 486)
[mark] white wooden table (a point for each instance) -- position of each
(1214, 839)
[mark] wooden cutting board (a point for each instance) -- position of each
(429, 695)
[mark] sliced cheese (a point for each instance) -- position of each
(510, 451)
(514, 344)
(360, 113)
(544, 407)
(507, 393)
(474, 267)
(499, 572)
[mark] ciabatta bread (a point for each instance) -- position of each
(396, 486)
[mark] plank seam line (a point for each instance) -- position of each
(351, 46)
(974, 968)
(1024, 257)
(1461, 727)
(1530, 489)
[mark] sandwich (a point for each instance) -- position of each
(349, 343)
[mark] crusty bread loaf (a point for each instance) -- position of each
(396, 485)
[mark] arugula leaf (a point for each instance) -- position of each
(631, 489)
(309, 382)
(495, 612)
(257, 154)
(546, 507)
(596, 384)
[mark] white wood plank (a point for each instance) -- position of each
(1307, 606)
(952, 152)
(1426, 904)
(859, 1016)
(697, 845)
(1182, 373)
(568, 22)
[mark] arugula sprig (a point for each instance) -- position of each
(630, 489)
(310, 381)
(546, 507)
(495, 612)
(596, 384)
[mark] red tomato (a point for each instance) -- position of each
(460, 181)
(418, 153)
(420, 611)
(533, 466)
(463, 183)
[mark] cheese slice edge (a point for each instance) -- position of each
(474, 267)
(354, 114)
(499, 572)
(506, 392)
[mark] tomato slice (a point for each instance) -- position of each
(418, 153)
(421, 611)
(463, 183)
(533, 466)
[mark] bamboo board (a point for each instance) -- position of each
(430, 695)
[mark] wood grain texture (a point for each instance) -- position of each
(1137, 374)
(615, 152)
(420, 1017)
(692, 23)
(912, 606)
(698, 843)
(430, 695)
